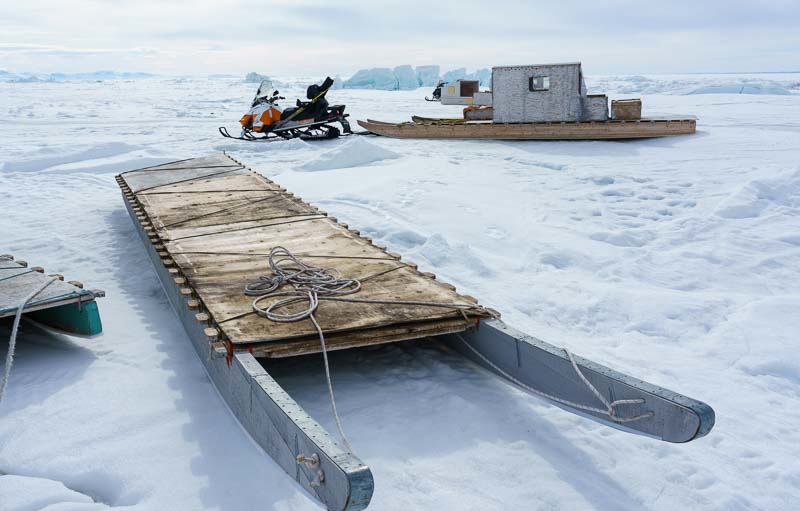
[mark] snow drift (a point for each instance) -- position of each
(353, 153)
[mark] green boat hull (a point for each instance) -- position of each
(74, 318)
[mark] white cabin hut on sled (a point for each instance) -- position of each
(536, 93)
(544, 93)
(536, 102)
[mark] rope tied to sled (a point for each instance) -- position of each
(610, 409)
(12, 343)
(312, 284)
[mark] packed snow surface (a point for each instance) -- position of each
(675, 260)
(353, 153)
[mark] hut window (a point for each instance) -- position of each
(538, 83)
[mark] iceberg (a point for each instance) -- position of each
(484, 76)
(379, 78)
(255, 78)
(406, 78)
(428, 76)
(455, 74)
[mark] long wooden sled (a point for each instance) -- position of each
(422, 127)
(63, 306)
(205, 249)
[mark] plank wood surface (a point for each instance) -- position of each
(593, 130)
(18, 281)
(217, 221)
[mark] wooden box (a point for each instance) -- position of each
(626, 109)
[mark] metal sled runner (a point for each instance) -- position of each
(208, 225)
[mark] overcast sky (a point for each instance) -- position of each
(299, 37)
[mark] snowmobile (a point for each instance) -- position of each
(309, 120)
(437, 92)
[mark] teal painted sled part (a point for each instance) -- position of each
(64, 306)
(73, 318)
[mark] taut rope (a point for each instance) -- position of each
(312, 284)
(12, 343)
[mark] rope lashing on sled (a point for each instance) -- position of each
(313, 284)
(12, 343)
(610, 406)
(16, 274)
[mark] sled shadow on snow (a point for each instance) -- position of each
(418, 400)
(238, 474)
(607, 148)
(45, 362)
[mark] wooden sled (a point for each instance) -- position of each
(63, 306)
(423, 127)
(436, 120)
(204, 251)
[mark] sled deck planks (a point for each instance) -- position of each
(209, 217)
(61, 305)
(591, 130)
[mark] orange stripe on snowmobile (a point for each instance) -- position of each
(270, 116)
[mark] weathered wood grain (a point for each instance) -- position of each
(592, 130)
(216, 221)
(18, 281)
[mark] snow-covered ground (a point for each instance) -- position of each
(675, 260)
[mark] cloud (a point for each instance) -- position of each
(316, 36)
(71, 51)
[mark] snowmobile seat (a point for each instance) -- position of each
(313, 109)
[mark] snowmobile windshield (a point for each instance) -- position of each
(264, 90)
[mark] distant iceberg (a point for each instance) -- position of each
(403, 77)
(455, 74)
(484, 76)
(379, 78)
(255, 77)
(406, 78)
(428, 76)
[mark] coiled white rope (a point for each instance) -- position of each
(312, 284)
(12, 343)
(610, 406)
(308, 282)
